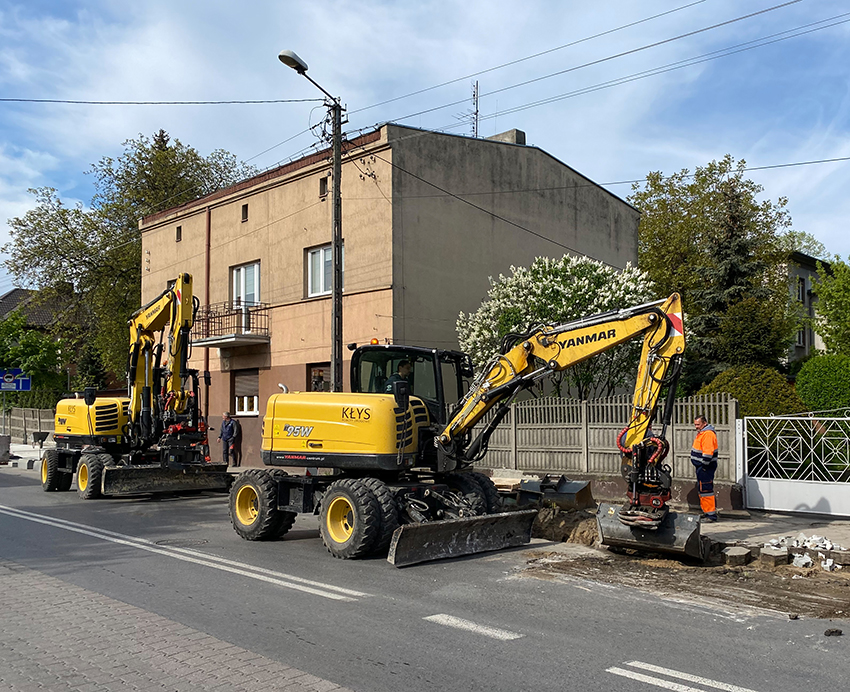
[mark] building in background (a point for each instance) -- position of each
(427, 219)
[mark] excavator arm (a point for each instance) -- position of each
(529, 358)
(173, 308)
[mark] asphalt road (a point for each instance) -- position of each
(469, 624)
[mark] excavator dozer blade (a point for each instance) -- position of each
(435, 540)
(678, 534)
(135, 480)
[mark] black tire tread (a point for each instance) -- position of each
(269, 519)
(491, 494)
(367, 526)
(54, 475)
(389, 512)
(94, 463)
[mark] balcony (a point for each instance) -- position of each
(231, 324)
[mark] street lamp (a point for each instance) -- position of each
(290, 59)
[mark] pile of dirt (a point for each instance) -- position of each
(788, 589)
(565, 526)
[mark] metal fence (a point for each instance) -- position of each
(555, 435)
(231, 317)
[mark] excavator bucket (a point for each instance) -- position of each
(435, 540)
(135, 480)
(678, 534)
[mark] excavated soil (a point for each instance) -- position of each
(797, 592)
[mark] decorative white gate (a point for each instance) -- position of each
(796, 463)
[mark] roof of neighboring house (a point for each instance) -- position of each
(804, 260)
(38, 315)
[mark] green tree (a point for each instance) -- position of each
(37, 354)
(760, 391)
(552, 292)
(823, 382)
(832, 288)
(89, 260)
(707, 237)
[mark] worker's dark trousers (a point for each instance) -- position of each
(225, 451)
(705, 488)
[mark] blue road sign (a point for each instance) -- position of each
(15, 380)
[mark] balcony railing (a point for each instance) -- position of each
(229, 324)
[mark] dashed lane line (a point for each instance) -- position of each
(469, 626)
(288, 581)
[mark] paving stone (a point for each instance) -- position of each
(735, 556)
(773, 557)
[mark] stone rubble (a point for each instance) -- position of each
(816, 543)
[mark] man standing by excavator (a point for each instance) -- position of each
(704, 459)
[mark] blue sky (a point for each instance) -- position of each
(782, 103)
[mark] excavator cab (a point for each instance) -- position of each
(437, 377)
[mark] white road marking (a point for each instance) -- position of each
(458, 623)
(670, 685)
(278, 578)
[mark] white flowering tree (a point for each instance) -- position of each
(555, 291)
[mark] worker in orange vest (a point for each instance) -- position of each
(704, 459)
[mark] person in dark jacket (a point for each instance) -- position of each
(404, 368)
(236, 444)
(704, 459)
(225, 435)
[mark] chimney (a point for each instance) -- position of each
(510, 137)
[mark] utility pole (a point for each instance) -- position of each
(290, 59)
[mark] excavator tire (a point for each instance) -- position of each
(350, 520)
(66, 480)
(491, 495)
(464, 484)
(389, 513)
(89, 476)
(253, 506)
(51, 476)
(287, 520)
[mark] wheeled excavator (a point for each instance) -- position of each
(155, 438)
(395, 471)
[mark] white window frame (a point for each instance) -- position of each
(326, 284)
(237, 284)
(247, 406)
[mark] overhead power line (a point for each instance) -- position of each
(157, 103)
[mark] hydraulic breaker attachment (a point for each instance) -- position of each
(678, 533)
(435, 540)
(134, 480)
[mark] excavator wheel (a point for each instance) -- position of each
(89, 476)
(491, 495)
(389, 512)
(253, 506)
(66, 480)
(51, 476)
(287, 520)
(465, 485)
(350, 521)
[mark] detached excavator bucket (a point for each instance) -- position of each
(135, 480)
(435, 540)
(678, 534)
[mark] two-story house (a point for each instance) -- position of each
(427, 219)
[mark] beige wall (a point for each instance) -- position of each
(446, 249)
(414, 256)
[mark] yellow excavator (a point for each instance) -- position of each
(390, 465)
(154, 439)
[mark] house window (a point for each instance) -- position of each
(320, 270)
(801, 290)
(245, 284)
(244, 213)
(323, 186)
(801, 338)
(179, 234)
(246, 392)
(319, 377)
